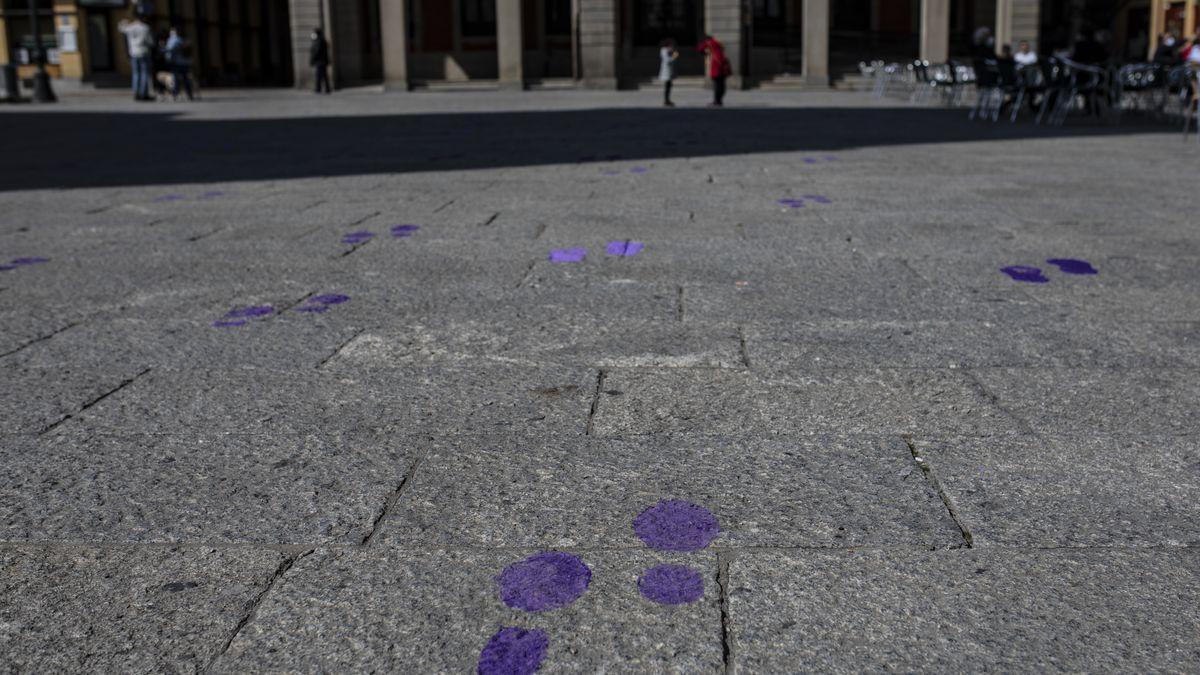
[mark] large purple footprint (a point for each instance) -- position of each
(544, 581)
(674, 525)
(1031, 275)
(1073, 266)
(513, 651)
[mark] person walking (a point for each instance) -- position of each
(318, 58)
(667, 55)
(719, 68)
(140, 43)
(179, 63)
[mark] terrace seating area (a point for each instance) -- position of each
(1051, 92)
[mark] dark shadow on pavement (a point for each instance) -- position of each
(88, 149)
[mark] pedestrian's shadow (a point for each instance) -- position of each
(96, 149)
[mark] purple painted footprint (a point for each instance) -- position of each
(513, 651)
(358, 237)
(820, 199)
(321, 303)
(1032, 275)
(401, 231)
(544, 581)
(169, 198)
(239, 316)
(568, 255)
(29, 261)
(792, 203)
(676, 525)
(671, 585)
(627, 249)
(1066, 265)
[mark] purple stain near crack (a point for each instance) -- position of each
(568, 255)
(401, 231)
(250, 312)
(7, 268)
(671, 585)
(329, 299)
(627, 249)
(1031, 275)
(792, 203)
(513, 651)
(1066, 265)
(358, 237)
(543, 581)
(676, 525)
(21, 262)
(229, 323)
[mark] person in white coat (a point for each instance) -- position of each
(140, 42)
(667, 56)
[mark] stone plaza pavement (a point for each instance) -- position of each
(252, 422)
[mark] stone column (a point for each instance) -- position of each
(723, 20)
(816, 42)
(393, 34)
(304, 16)
(1003, 30)
(596, 25)
(935, 30)
(510, 44)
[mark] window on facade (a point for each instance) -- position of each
(558, 17)
(478, 18)
(656, 20)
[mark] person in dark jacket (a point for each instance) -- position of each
(318, 58)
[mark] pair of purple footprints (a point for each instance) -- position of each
(798, 202)
(22, 262)
(554, 579)
(626, 249)
(1034, 275)
(316, 304)
(363, 236)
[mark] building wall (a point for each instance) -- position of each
(303, 16)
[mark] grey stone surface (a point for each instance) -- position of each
(726, 402)
(200, 487)
(1072, 490)
(367, 610)
(1058, 610)
(826, 492)
(1098, 400)
(124, 609)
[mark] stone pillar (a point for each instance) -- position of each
(510, 44)
(304, 16)
(1003, 30)
(935, 30)
(393, 34)
(723, 20)
(596, 25)
(816, 43)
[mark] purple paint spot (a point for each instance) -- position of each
(638, 169)
(169, 198)
(404, 230)
(513, 651)
(248, 312)
(227, 323)
(568, 255)
(1066, 265)
(544, 581)
(676, 525)
(1032, 275)
(331, 299)
(633, 248)
(30, 261)
(357, 237)
(625, 248)
(313, 309)
(792, 203)
(810, 160)
(819, 199)
(671, 585)
(5, 268)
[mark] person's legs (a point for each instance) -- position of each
(137, 70)
(719, 91)
(667, 92)
(185, 75)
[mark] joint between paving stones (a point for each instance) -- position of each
(93, 402)
(600, 377)
(340, 347)
(390, 502)
(680, 308)
(742, 346)
(723, 589)
(42, 338)
(927, 472)
(252, 609)
(992, 398)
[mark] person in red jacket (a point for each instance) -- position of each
(718, 66)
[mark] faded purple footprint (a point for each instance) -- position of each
(676, 525)
(358, 237)
(544, 581)
(239, 316)
(321, 303)
(1032, 275)
(568, 255)
(671, 585)
(792, 203)
(627, 249)
(513, 651)
(1071, 266)
(22, 262)
(401, 231)
(820, 199)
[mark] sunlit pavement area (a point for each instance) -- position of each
(443, 381)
